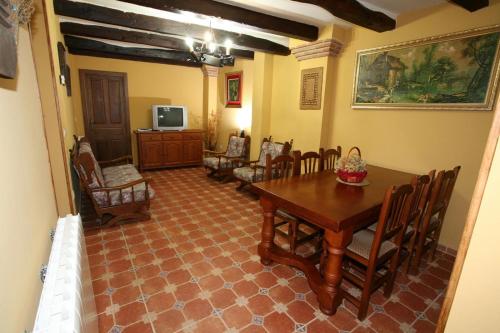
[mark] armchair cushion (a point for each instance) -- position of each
(272, 148)
(97, 179)
(213, 162)
(249, 174)
(120, 175)
(236, 147)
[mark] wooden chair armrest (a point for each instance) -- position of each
(121, 187)
(212, 152)
(245, 162)
(126, 158)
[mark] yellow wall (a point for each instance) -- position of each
(56, 106)
(413, 140)
(476, 303)
(235, 119)
(148, 84)
(28, 203)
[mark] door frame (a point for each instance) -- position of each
(85, 101)
(470, 222)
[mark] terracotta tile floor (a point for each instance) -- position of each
(194, 268)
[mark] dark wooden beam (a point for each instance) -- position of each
(263, 22)
(94, 48)
(149, 23)
(70, 28)
(471, 5)
(354, 12)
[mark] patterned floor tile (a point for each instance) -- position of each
(194, 267)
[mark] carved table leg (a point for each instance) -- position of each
(267, 235)
(329, 296)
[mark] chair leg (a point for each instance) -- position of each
(435, 237)
(292, 235)
(418, 253)
(411, 249)
(365, 295)
(393, 270)
(241, 186)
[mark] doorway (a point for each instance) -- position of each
(105, 112)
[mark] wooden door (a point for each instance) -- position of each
(152, 154)
(106, 114)
(172, 152)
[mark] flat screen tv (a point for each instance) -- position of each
(169, 117)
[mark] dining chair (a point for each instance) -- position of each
(421, 185)
(306, 163)
(432, 221)
(329, 157)
(372, 258)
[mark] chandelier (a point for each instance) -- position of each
(209, 52)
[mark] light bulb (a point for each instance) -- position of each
(211, 47)
(189, 42)
(228, 44)
(208, 36)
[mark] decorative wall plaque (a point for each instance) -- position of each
(310, 88)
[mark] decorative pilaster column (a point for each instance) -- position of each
(210, 74)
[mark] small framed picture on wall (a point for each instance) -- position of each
(233, 90)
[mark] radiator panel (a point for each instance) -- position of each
(67, 301)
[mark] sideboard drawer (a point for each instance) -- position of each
(192, 136)
(172, 136)
(150, 136)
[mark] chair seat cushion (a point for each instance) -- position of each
(249, 174)
(117, 176)
(362, 243)
(213, 162)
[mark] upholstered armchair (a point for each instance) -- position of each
(249, 172)
(221, 164)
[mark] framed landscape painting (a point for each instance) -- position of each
(451, 72)
(233, 90)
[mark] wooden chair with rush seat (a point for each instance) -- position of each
(221, 164)
(432, 220)
(308, 162)
(372, 258)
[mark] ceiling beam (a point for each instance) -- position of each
(149, 23)
(471, 5)
(263, 22)
(95, 48)
(70, 28)
(354, 12)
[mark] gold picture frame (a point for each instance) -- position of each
(456, 71)
(311, 84)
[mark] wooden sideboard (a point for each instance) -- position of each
(159, 149)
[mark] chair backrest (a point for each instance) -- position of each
(273, 148)
(393, 215)
(440, 195)
(237, 147)
(281, 166)
(421, 185)
(308, 162)
(86, 164)
(329, 158)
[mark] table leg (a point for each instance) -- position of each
(329, 297)
(267, 235)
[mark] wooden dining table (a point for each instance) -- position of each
(337, 208)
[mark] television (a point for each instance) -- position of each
(169, 117)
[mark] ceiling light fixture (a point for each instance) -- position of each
(208, 52)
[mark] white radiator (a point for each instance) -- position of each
(67, 302)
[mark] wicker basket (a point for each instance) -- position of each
(352, 177)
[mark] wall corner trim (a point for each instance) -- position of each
(322, 48)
